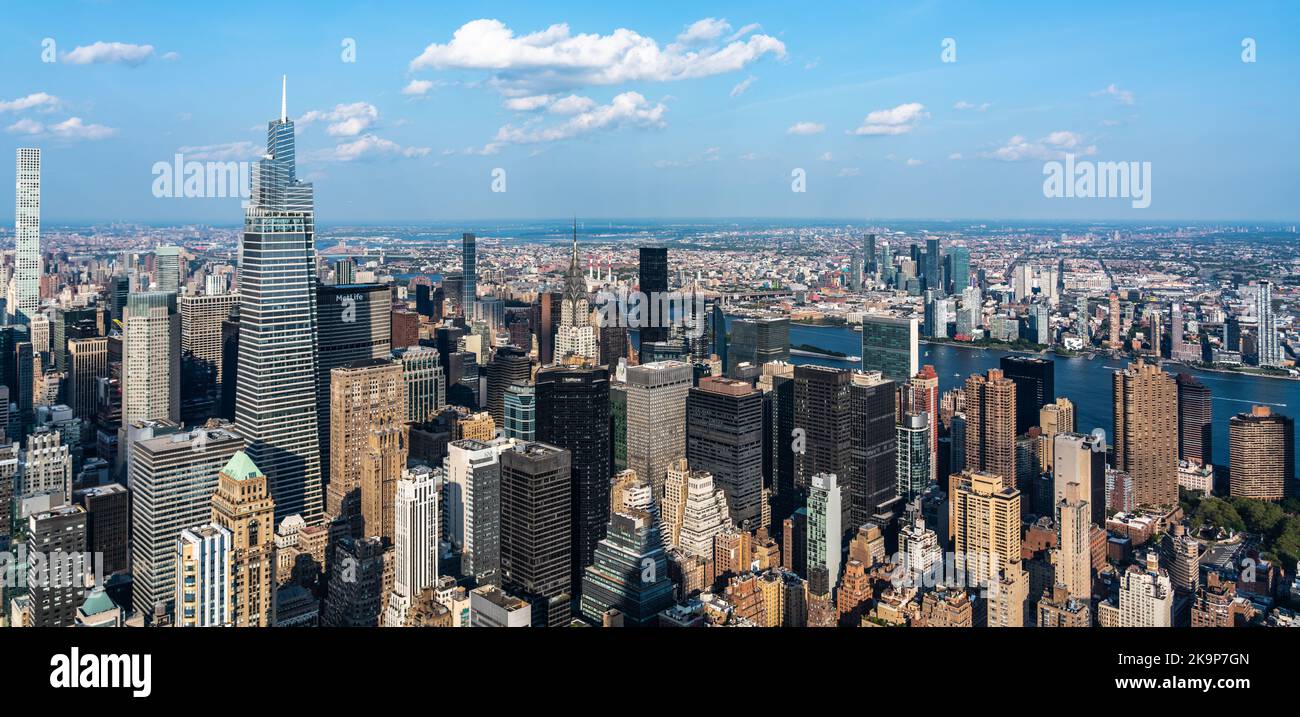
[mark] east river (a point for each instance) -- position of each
(1085, 382)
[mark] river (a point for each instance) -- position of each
(1086, 383)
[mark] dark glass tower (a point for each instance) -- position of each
(654, 280)
(354, 323)
(536, 536)
(629, 572)
(758, 341)
(873, 442)
(724, 436)
(1035, 387)
(573, 412)
(821, 409)
(1195, 440)
(509, 365)
(469, 287)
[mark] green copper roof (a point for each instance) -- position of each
(97, 602)
(241, 467)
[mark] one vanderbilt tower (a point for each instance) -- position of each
(275, 395)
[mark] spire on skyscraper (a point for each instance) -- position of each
(284, 98)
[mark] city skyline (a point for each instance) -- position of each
(709, 118)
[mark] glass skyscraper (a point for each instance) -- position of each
(27, 235)
(275, 399)
(890, 346)
(469, 285)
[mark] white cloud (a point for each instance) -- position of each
(964, 105)
(571, 105)
(629, 109)
(25, 126)
(41, 100)
(223, 152)
(700, 31)
(955, 155)
(1124, 97)
(528, 103)
(72, 128)
(850, 172)
(914, 162)
(109, 52)
(806, 128)
(417, 87)
(347, 120)
(899, 120)
(712, 154)
(1054, 146)
(368, 146)
(743, 85)
(748, 156)
(556, 59)
(171, 56)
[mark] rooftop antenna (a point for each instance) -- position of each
(284, 98)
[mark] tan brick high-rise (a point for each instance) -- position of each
(1262, 455)
(243, 505)
(364, 396)
(991, 426)
(986, 523)
(1145, 413)
(381, 468)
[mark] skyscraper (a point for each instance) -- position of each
(825, 529)
(1145, 418)
(991, 425)
(353, 324)
(913, 456)
(509, 365)
(536, 537)
(923, 390)
(757, 341)
(242, 505)
(88, 363)
(1072, 555)
(151, 358)
(172, 479)
(473, 515)
(724, 436)
(167, 269)
(628, 573)
(201, 355)
(1053, 418)
(1195, 439)
(366, 396)
(985, 514)
(1270, 349)
(656, 418)
(1081, 459)
(469, 264)
(415, 555)
(573, 413)
(27, 235)
(203, 577)
(575, 335)
(872, 478)
(890, 345)
(56, 585)
(1035, 380)
(653, 279)
(821, 410)
(520, 412)
(1262, 455)
(426, 387)
(276, 400)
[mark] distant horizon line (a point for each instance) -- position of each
(480, 221)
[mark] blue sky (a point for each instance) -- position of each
(642, 110)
